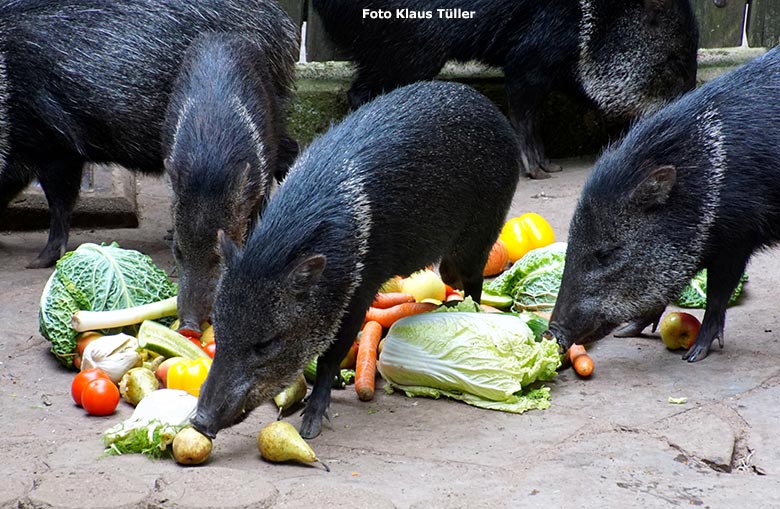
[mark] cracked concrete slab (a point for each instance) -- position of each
(761, 412)
(702, 435)
(91, 489)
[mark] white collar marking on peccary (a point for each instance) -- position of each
(4, 126)
(714, 147)
(254, 132)
(359, 206)
(615, 85)
(183, 112)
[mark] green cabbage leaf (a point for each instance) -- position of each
(694, 295)
(97, 278)
(534, 280)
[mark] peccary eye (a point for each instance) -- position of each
(264, 348)
(606, 256)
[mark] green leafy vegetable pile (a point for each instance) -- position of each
(694, 295)
(96, 278)
(488, 360)
(534, 280)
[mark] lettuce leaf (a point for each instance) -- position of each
(484, 359)
(97, 278)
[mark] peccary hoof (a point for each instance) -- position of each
(311, 426)
(696, 353)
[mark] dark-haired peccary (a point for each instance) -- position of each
(221, 141)
(691, 187)
(371, 198)
(89, 80)
(626, 56)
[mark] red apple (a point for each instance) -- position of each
(679, 330)
(162, 369)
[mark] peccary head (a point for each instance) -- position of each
(642, 225)
(636, 54)
(267, 328)
(205, 202)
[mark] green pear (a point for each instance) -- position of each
(280, 441)
(291, 395)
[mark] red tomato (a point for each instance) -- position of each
(195, 341)
(82, 379)
(209, 349)
(100, 397)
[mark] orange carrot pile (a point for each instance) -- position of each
(580, 360)
(387, 317)
(365, 368)
(390, 299)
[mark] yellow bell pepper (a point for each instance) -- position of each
(524, 233)
(188, 375)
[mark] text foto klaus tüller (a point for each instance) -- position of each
(414, 14)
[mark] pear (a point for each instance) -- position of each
(280, 441)
(291, 395)
(190, 447)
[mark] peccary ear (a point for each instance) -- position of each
(656, 187)
(229, 250)
(305, 274)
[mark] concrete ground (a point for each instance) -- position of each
(612, 440)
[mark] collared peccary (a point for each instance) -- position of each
(221, 140)
(89, 80)
(626, 56)
(691, 187)
(425, 172)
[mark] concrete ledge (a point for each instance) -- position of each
(569, 127)
(107, 200)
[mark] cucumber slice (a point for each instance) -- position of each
(497, 301)
(168, 343)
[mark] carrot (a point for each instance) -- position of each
(387, 317)
(575, 351)
(365, 367)
(580, 360)
(583, 365)
(386, 300)
(448, 290)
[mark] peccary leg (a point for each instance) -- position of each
(327, 368)
(367, 85)
(526, 88)
(722, 278)
(464, 268)
(635, 327)
(388, 74)
(13, 180)
(60, 180)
